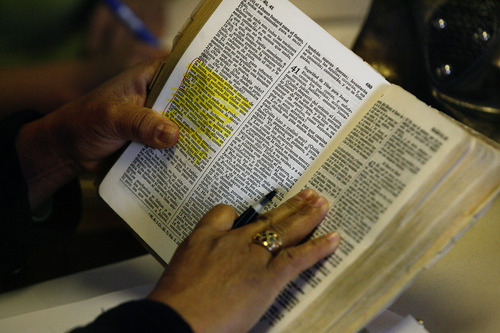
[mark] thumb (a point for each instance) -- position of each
(146, 126)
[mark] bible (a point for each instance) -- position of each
(265, 99)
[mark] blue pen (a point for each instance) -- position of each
(128, 17)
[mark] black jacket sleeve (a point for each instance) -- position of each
(137, 316)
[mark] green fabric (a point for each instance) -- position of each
(33, 31)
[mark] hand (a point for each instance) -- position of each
(112, 44)
(82, 134)
(219, 281)
(111, 49)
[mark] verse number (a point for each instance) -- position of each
(265, 2)
(295, 69)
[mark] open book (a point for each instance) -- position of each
(265, 99)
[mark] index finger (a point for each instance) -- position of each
(290, 207)
(296, 221)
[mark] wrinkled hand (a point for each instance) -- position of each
(220, 281)
(82, 134)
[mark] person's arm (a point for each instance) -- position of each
(137, 316)
(82, 134)
(22, 230)
(43, 156)
(111, 48)
(42, 87)
(46, 87)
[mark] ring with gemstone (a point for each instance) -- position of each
(268, 239)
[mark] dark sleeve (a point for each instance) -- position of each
(137, 316)
(19, 233)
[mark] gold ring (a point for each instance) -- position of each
(268, 239)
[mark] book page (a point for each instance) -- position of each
(374, 178)
(257, 96)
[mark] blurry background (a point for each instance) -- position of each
(341, 18)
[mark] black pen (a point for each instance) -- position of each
(251, 213)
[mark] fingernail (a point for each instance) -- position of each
(318, 202)
(165, 133)
(306, 194)
(333, 237)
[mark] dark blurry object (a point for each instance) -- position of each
(462, 55)
(445, 52)
(388, 43)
